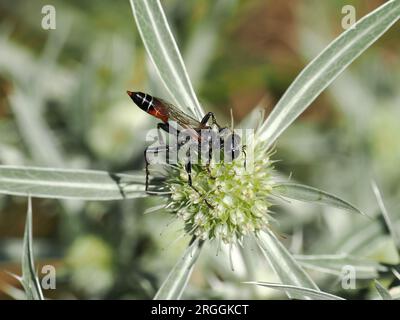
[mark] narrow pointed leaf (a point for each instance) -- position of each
(15, 276)
(284, 264)
(29, 281)
(15, 293)
(309, 194)
(34, 130)
(326, 67)
(176, 282)
(383, 292)
(295, 290)
(333, 264)
(164, 53)
(386, 216)
(396, 273)
(69, 184)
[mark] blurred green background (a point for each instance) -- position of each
(63, 104)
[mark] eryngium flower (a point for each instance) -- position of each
(227, 201)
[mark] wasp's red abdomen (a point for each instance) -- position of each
(158, 111)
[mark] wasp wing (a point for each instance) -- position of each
(175, 114)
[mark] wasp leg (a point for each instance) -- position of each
(188, 168)
(213, 120)
(245, 156)
(162, 126)
(202, 153)
(167, 128)
(210, 151)
(154, 150)
(171, 130)
(147, 170)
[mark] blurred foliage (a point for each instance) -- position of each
(63, 104)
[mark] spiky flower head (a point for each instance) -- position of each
(226, 201)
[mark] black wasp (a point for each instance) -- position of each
(204, 134)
